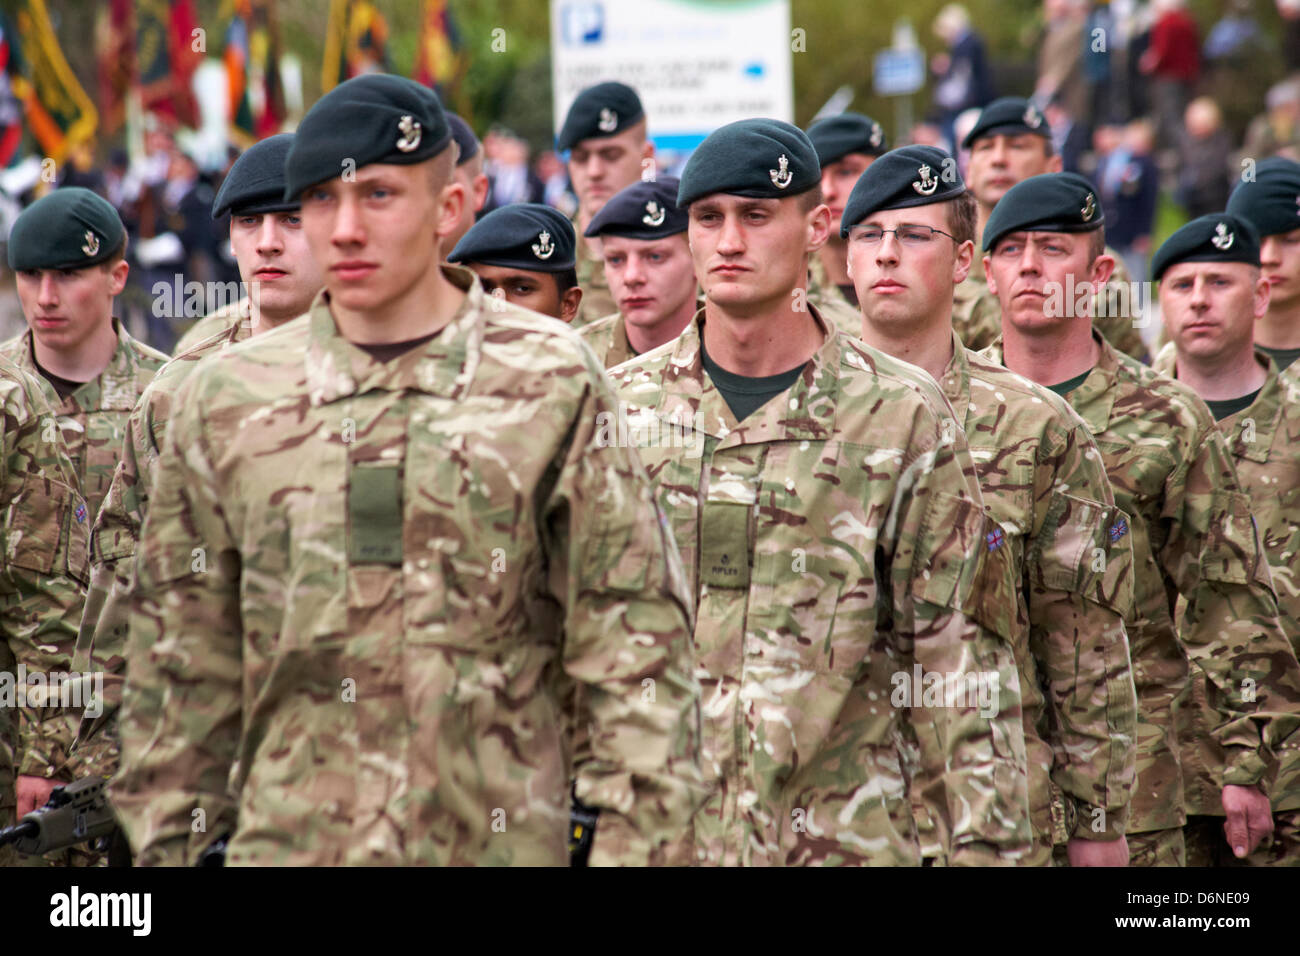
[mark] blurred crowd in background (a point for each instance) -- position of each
(1160, 105)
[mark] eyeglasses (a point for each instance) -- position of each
(908, 235)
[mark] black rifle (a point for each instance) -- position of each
(75, 813)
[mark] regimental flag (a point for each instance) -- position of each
(252, 59)
(438, 62)
(58, 112)
(356, 42)
(165, 43)
(115, 55)
(11, 109)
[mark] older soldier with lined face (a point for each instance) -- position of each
(836, 553)
(604, 133)
(1213, 297)
(642, 234)
(1193, 534)
(1010, 142)
(385, 545)
(910, 231)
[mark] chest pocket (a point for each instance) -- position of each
(375, 513)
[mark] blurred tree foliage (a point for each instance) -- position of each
(513, 86)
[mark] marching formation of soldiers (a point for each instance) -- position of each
(817, 507)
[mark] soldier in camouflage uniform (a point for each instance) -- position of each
(266, 238)
(1271, 203)
(835, 547)
(524, 254)
(846, 146)
(1192, 529)
(604, 133)
(67, 252)
(383, 543)
(1011, 141)
(42, 584)
(648, 262)
(469, 173)
(265, 235)
(1211, 304)
(1043, 481)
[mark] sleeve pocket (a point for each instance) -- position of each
(1085, 547)
(48, 529)
(1232, 551)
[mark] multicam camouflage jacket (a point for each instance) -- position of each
(101, 640)
(92, 420)
(597, 300)
(827, 299)
(835, 546)
(1193, 535)
(364, 589)
(236, 313)
(1264, 440)
(42, 574)
(977, 315)
(1044, 482)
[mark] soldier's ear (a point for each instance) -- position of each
(988, 274)
(962, 262)
(569, 303)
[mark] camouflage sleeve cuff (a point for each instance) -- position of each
(618, 843)
(1246, 768)
(1099, 824)
(980, 854)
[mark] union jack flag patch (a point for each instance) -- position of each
(1118, 529)
(80, 514)
(994, 538)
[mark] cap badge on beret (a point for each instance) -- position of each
(542, 248)
(1223, 239)
(608, 121)
(877, 135)
(783, 177)
(1089, 208)
(927, 184)
(411, 133)
(654, 214)
(91, 245)
(1033, 118)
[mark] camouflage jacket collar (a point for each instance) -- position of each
(443, 366)
(1255, 441)
(1265, 412)
(688, 396)
(114, 389)
(1095, 398)
(956, 381)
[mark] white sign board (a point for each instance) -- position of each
(697, 64)
(898, 72)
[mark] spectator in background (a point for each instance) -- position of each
(1204, 151)
(79, 170)
(1289, 11)
(506, 164)
(1069, 135)
(556, 191)
(1132, 38)
(1276, 132)
(1237, 63)
(962, 73)
(1060, 56)
(1099, 35)
(1129, 184)
(1173, 61)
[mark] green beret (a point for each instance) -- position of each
(464, 137)
(255, 183)
(1271, 203)
(70, 228)
(903, 177)
(1219, 237)
(374, 118)
(761, 158)
(836, 137)
(526, 235)
(644, 210)
(1052, 202)
(1007, 117)
(605, 109)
